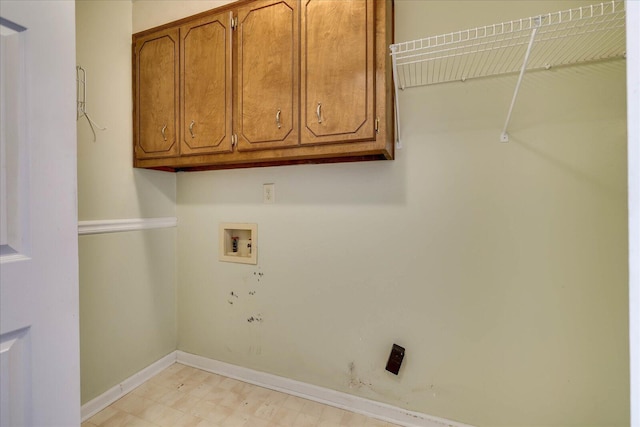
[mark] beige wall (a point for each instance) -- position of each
(151, 13)
(127, 280)
(500, 267)
(127, 305)
(109, 187)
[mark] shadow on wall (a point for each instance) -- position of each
(156, 190)
(360, 183)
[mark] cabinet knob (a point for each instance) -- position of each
(319, 112)
(191, 128)
(278, 119)
(164, 136)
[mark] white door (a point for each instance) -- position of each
(633, 111)
(39, 348)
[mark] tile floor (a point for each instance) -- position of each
(181, 396)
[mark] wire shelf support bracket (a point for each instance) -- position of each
(504, 136)
(574, 36)
(397, 103)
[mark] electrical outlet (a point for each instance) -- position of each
(269, 193)
(395, 359)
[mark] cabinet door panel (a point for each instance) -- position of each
(206, 85)
(338, 71)
(267, 96)
(156, 109)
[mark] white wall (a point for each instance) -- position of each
(501, 268)
(127, 280)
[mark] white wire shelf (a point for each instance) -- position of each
(590, 33)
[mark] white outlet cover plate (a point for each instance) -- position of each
(269, 193)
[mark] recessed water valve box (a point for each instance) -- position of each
(395, 359)
(238, 242)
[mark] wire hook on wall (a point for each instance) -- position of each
(81, 91)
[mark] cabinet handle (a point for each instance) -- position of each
(278, 119)
(191, 128)
(319, 112)
(162, 131)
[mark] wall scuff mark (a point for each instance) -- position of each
(258, 319)
(233, 294)
(354, 381)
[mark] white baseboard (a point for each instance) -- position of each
(370, 408)
(96, 405)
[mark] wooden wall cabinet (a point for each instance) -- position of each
(155, 120)
(267, 72)
(338, 71)
(205, 85)
(265, 82)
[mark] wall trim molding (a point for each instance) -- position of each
(13, 258)
(117, 225)
(96, 405)
(360, 405)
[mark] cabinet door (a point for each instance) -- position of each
(205, 84)
(156, 86)
(267, 96)
(338, 71)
